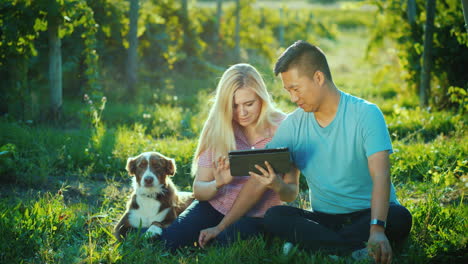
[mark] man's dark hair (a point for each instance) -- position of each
(307, 57)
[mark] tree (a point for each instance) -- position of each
(219, 13)
(132, 67)
(465, 13)
(237, 34)
(55, 61)
(425, 86)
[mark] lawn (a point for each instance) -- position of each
(64, 188)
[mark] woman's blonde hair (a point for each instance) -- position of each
(217, 135)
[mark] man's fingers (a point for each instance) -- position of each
(262, 170)
(374, 252)
(271, 171)
(258, 176)
(377, 254)
(386, 252)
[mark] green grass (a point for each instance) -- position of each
(63, 188)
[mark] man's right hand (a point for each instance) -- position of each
(268, 177)
(222, 172)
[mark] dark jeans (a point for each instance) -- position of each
(333, 233)
(184, 231)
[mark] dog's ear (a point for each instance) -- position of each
(131, 166)
(170, 167)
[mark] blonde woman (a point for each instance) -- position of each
(241, 117)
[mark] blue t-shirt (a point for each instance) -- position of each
(334, 158)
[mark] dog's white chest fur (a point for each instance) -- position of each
(147, 213)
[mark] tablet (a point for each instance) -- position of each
(243, 161)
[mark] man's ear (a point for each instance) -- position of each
(170, 167)
(319, 77)
(131, 166)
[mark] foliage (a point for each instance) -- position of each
(440, 162)
(409, 124)
(8, 158)
(450, 44)
(70, 185)
(23, 24)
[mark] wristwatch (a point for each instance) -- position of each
(378, 222)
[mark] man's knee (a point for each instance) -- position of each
(400, 222)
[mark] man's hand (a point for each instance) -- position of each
(222, 172)
(208, 234)
(379, 247)
(268, 178)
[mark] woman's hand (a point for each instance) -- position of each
(222, 172)
(208, 234)
(268, 178)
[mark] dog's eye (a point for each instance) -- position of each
(154, 163)
(143, 164)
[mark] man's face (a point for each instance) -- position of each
(305, 91)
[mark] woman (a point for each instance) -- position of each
(242, 117)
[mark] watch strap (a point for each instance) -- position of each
(378, 222)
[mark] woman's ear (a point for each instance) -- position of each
(131, 166)
(170, 167)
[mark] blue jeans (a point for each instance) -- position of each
(333, 233)
(184, 231)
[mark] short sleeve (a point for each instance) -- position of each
(283, 136)
(206, 159)
(374, 131)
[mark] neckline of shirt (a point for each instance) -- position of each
(335, 119)
(239, 134)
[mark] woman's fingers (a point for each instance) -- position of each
(201, 239)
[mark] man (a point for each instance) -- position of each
(341, 145)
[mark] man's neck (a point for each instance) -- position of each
(329, 106)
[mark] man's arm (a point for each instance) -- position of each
(287, 186)
(379, 168)
(249, 195)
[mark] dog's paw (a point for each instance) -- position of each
(153, 231)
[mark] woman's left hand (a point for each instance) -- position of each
(208, 234)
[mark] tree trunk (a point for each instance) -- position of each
(219, 13)
(237, 36)
(281, 28)
(55, 70)
(411, 11)
(465, 13)
(132, 67)
(424, 91)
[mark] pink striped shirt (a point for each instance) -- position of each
(226, 195)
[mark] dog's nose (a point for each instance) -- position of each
(148, 180)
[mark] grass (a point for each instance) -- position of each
(63, 188)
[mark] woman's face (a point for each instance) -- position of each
(247, 107)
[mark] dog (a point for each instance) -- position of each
(155, 202)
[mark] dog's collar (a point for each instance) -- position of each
(152, 195)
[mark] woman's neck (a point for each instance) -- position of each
(253, 134)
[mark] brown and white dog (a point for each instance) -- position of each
(155, 201)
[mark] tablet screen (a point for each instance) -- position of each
(243, 161)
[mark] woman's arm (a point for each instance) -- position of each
(204, 185)
(209, 180)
